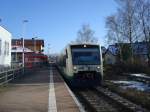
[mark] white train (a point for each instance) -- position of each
(82, 64)
(5, 48)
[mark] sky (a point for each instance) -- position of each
(55, 21)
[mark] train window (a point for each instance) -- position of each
(64, 60)
(86, 56)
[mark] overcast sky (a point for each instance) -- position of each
(55, 21)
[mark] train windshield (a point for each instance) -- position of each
(86, 56)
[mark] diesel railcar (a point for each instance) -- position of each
(82, 65)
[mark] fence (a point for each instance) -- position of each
(10, 73)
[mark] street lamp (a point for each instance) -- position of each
(35, 44)
(23, 34)
(16, 52)
(48, 51)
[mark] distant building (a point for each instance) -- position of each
(110, 55)
(5, 48)
(16, 52)
(140, 52)
(36, 45)
(33, 51)
(103, 49)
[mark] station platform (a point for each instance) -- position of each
(65, 100)
(44, 90)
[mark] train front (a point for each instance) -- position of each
(87, 65)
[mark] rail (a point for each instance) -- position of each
(126, 104)
(9, 74)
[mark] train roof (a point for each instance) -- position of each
(76, 44)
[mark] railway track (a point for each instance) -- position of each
(102, 100)
(93, 102)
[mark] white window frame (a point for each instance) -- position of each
(0, 47)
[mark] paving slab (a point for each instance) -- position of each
(32, 93)
(28, 94)
(64, 100)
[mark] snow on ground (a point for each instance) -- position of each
(133, 84)
(140, 75)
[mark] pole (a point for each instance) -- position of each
(16, 51)
(35, 49)
(23, 52)
(48, 52)
(35, 44)
(23, 34)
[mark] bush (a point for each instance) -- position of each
(118, 69)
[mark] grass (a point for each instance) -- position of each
(138, 97)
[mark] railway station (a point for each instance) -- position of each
(42, 91)
(75, 56)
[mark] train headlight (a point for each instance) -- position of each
(75, 68)
(84, 45)
(98, 67)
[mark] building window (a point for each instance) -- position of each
(14, 48)
(0, 47)
(6, 48)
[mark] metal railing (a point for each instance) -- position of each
(10, 73)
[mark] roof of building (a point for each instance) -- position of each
(4, 31)
(20, 49)
(113, 49)
(103, 49)
(28, 41)
(139, 48)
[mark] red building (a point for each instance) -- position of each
(36, 45)
(33, 52)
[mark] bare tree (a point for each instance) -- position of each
(127, 13)
(123, 26)
(114, 33)
(86, 35)
(143, 15)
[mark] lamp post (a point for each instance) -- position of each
(35, 48)
(48, 52)
(35, 44)
(23, 34)
(16, 53)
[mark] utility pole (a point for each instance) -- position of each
(16, 53)
(23, 34)
(48, 51)
(35, 44)
(34, 47)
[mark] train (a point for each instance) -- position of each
(82, 65)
